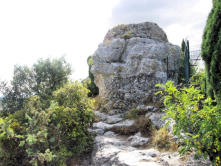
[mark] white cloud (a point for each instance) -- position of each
(179, 19)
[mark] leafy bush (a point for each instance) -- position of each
(36, 136)
(73, 114)
(10, 151)
(198, 80)
(197, 120)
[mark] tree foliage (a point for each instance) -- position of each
(211, 51)
(41, 79)
(197, 120)
(94, 91)
(181, 73)
(198, 80)
(37, 136)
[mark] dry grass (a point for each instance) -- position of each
(163, 141)
(97, 103)
(144, 125)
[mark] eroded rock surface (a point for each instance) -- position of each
(116, 149)
(130, 61)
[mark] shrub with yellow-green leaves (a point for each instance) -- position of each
(34, 136)
(197, 120)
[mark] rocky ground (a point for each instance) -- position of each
(112, 148)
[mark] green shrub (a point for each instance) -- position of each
(196, 117)
(10, 151)
(49, 137)
(73, 115)
(198, 80)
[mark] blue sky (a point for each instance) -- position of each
(31, 29)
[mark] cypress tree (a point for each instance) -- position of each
(211, 51)
(182, 47)
(181, 73)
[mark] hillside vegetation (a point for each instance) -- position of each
(45, 117)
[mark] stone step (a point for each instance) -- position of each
(117, 127)
(110, 119)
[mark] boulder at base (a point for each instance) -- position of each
(130, 61)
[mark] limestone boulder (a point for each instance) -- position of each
(130, 61)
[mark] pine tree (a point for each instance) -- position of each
(211, 51)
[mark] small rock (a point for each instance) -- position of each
(100, 115)
(110, 133)
(125, 123)
(115, 111)
(102, 125)
(152, 152)
(145, 108)
(99, 131)
(96, 131)
(156, 119)
(114, 119)
(137, 140)
(149, 108)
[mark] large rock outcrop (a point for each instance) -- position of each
(127, 65)
(130, 61)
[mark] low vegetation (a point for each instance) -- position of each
(197, 120)
(46, 129)
(133, 113)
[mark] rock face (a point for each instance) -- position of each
(130, 61)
